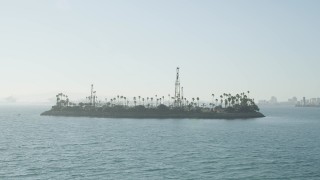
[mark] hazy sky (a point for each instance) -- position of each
(133, 47)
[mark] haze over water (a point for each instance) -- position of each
(132, 48)
(283, 145)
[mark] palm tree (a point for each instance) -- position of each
(121, 98)
(212, 97)
(151, 101)
(156, 99)
(198, 100)
(237, 98)
(233, 99)
(57, 98)
(67, 100)
(135, 101)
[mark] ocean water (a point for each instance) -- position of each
(284, 145)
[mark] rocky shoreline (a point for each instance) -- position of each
(152, 115)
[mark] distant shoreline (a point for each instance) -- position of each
(307, 106)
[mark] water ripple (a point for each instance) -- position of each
(281, 146)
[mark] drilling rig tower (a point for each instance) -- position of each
(177, 95)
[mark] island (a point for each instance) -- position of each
(225, 106)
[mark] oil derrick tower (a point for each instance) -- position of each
(93, 97)
(177, 97)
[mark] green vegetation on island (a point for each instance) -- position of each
(226, 106)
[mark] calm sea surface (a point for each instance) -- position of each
(284, 145)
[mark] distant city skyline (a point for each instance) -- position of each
(131, 48)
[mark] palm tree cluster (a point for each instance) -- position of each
(152, 102)
(223, 103)
(148, 102)
(239, 102)
(62, 100)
